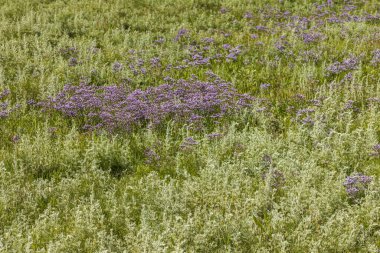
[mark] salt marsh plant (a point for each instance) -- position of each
(189, 126)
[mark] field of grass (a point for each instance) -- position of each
(189, 126)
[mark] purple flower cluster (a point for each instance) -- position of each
(188, 143)
(350, 63)
(375, 57)
(5, 110)
(151, 156)
(311, 37)
(248, 15)
(356, 185)
(117, 66)
(181, 33)
(233, 53)
(113, 108)
(277, 178)
(303, 116)
(376, 150)
(350, 105)
(264, 86)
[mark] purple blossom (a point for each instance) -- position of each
(311, 37)
(248, 15)
(303, 116)
(31, 102)
(264, 86)
(115, 109)
(376, 150)
(73, 62)
(276, 177)
(233, 53)
(254, 36)
(208, 40)
(214, 136)
(155, 62)
(350, 63)
(308, 121)
(16, 138)
(181, 33)
(117, 66)
(151, 156)
(226, 46)
(356, 185)
(375, 57)
(4, 93)
(261, 28)
(5, 108)
(160, 40)
(188, 143)
(350, 105)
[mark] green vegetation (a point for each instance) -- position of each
(295, 171)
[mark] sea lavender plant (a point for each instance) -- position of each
(276, 178)
(73, 62)
(356, 185)
(117, 66)
(248, 15)
(151, 156)
(376, 150)
(234, 53)
(311, 37)
(181, 33)
(375, 57)
(113, 108)
(4, 106)
(188, 143)
(347, 64)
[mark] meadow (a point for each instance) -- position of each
(189, 126)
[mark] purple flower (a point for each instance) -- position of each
(254, 36)
(5, 109)
(356, 185)
(276, 178)
(155, 62)
(4, 93)
(188, 143)
(264, 86)
(347, 64)
(113, 108)
(376, 150)
(159, 40)
(117, 66)
(248, 15)
(208, 40)
(214, 136)
(181, 33)
(151, 156)
(226, 46)
(375, 57)
(73, 62)
(15, 138)
(311, 37)
(261, 28)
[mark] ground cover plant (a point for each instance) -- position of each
(189, 126)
